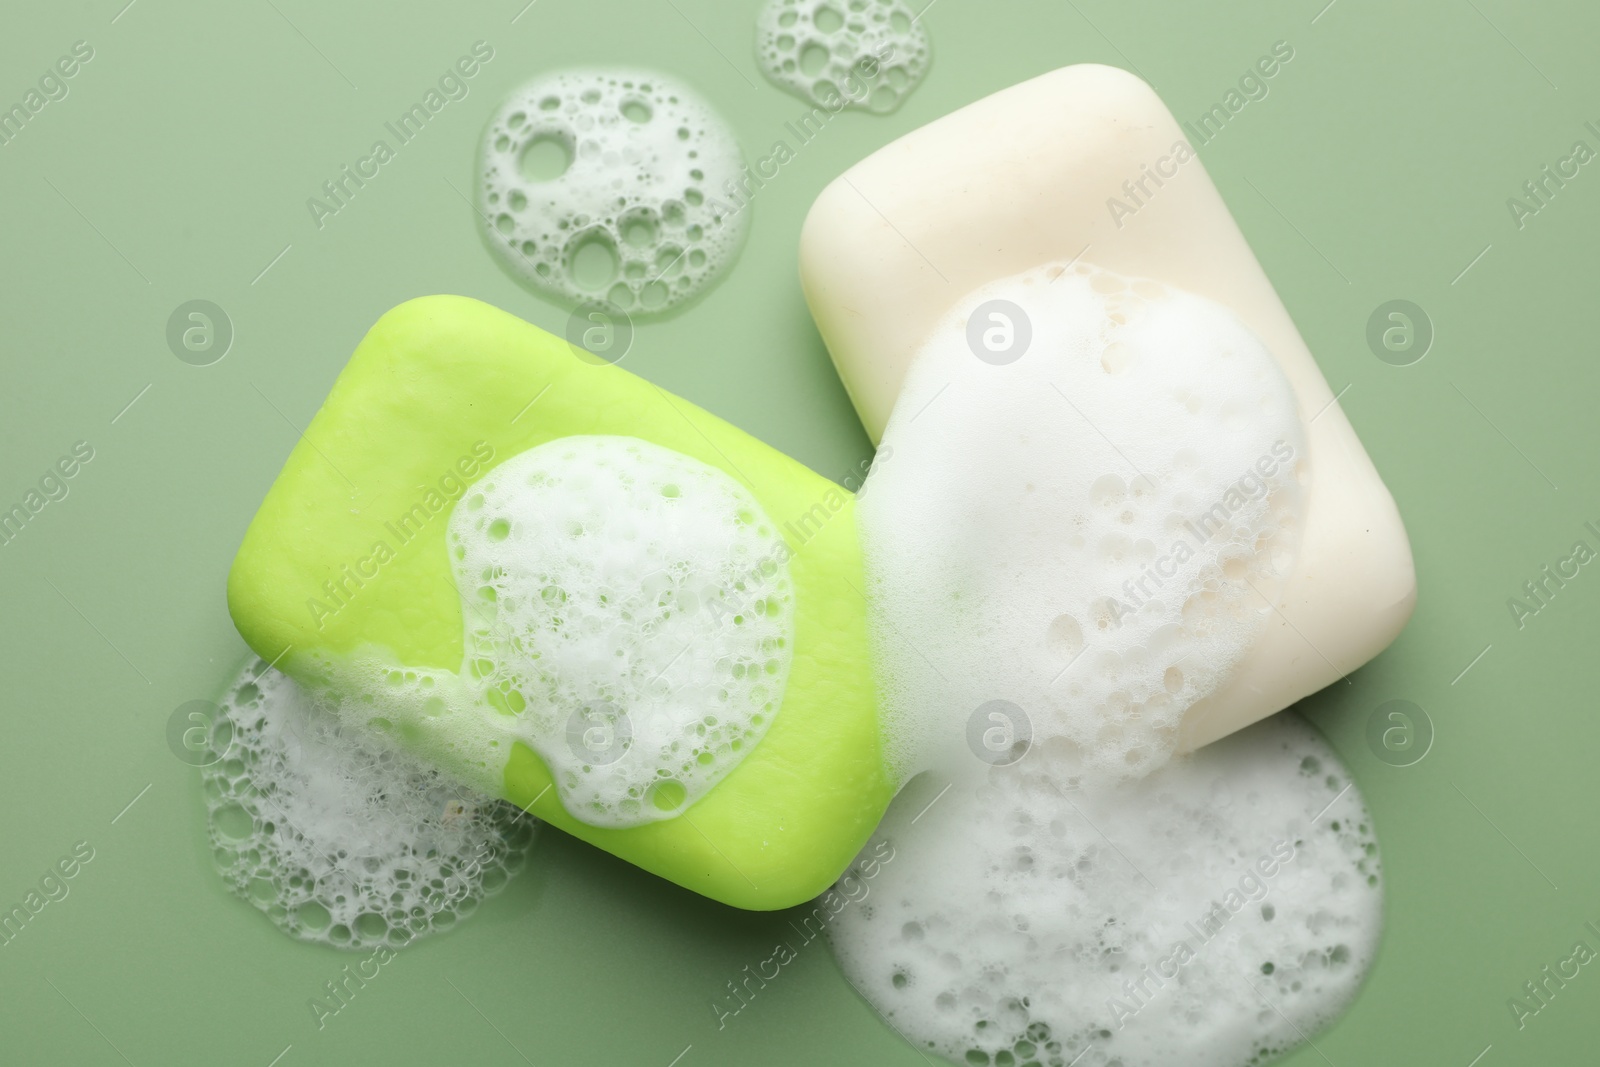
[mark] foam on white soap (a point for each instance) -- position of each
(1210, 914)
(1094, 496)
(867, 54)
(607, 184)
(339, 836)
(628, 616)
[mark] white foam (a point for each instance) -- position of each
(867, 54)
(1094, 500)
(1018, 919)
(339, 836)
(629, 617)
(633, 214)
(1090, 530)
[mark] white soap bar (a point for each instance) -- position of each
(1027, 176)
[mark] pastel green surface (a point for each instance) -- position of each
(440, 390)
(1377, 169)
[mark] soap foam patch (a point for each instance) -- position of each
(339, 836)
(868, 54)
(604, 184)
(632, 606)
(629, 617)
(1090, 522)
(1165, 920)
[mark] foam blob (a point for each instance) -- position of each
(1094, 498)
(637, 609)
(338, 835)
(1210, 914)
(605, 184)
(629, 617)
(867, 54)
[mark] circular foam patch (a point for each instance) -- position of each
(867, 54)
(613, 185)
(1211, 914)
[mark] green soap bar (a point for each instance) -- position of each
(442, 389)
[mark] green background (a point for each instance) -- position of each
(178, 168)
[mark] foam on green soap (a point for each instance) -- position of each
(629, 618)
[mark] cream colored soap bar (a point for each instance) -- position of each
(1035, 174)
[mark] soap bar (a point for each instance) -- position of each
(1033, 175)
(349, 559)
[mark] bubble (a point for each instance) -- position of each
(543, 158)
(597, 165)
(865, 55)
(1065, 637)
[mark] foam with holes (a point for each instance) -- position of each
(611, 184)
(628, 615)
(867, 54)
(1209, 914)
(338, 835)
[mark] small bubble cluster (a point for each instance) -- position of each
(338, 835)
(611, 185)
(868, 54)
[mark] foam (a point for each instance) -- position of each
(1015, 912)
(867, 54)
(632, 215)
(1095, 498)
(1040, 536)
(629, 616)
(339, 836)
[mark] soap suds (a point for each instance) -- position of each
(606, 184)
(868, 54)
(1096, 497)
(628, 617)
(338, 835)
(1209, 914)
(1094, 500)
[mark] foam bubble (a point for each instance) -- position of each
(868, 54)
(629, 616)
(1210, 914)
(338, 835)
(1090, 520)
(608, 184)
